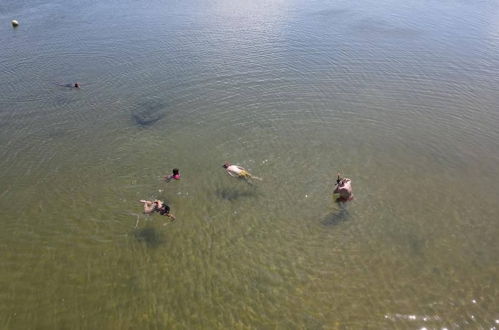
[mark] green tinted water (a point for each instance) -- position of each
(402, 98)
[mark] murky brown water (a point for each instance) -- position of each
(400, 97)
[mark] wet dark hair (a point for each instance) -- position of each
(165, 209)
(175, 171)
(225, 165)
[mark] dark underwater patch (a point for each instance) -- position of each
(331, 12)
(57, 133)
(148, 112)
(232, 194)
(377, 27)
(336, 217)
(149, 235)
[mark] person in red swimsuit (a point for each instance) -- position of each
(174, 176)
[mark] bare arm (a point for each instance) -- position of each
(171, 216)
(231, 173)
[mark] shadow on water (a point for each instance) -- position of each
(408, 240)
(416, 244)
(336, 217)
(57, 133)
(149, 235)
(148, 112)
(378, 27)
(332, 12)
(232, 194)
(63, 100)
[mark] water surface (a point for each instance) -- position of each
(402, 97)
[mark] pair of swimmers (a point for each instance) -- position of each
(342, 190)
(232, 170)
(159, 206)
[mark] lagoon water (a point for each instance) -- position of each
(400, 96)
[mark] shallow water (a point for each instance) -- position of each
(400, 97)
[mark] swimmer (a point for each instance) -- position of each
(174, 176)
(75, 85)
(237, 171)
(157, 206)
(343, 189)
(165, 210)
(150, 207)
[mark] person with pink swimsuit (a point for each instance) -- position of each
(174, 176)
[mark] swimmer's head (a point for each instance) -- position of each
(226, 164)
(164, 209)
(175, 171)
(77, 85)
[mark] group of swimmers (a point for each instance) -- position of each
(342, 192)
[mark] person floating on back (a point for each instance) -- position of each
(238, 172)
(174, 176)
(342, 190)
(157, 206)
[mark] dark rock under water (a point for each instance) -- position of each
(148, 112)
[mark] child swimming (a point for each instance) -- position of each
(174, 176)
